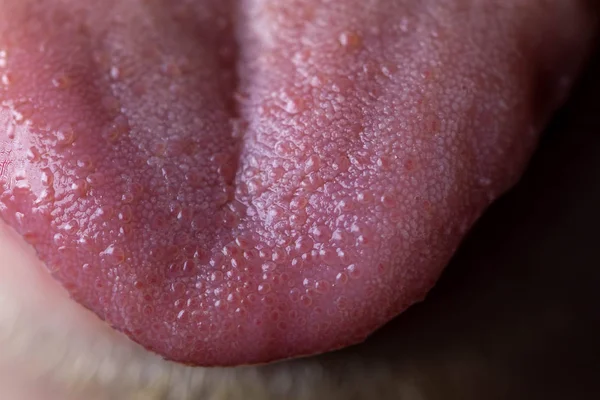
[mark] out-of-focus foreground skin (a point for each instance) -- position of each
(515, 315)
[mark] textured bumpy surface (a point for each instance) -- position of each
(238, 182)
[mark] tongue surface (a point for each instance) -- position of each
(237, 183)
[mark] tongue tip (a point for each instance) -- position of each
(262, 347)
(253, 355)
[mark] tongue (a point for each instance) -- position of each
(225, 205)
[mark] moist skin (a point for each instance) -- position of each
(239, 183)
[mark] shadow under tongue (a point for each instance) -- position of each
(515, 315)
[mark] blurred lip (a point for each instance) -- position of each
(51, 345)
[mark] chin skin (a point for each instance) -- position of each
(52, 348)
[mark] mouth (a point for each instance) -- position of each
(236, 183)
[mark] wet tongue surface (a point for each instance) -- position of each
(228, 198)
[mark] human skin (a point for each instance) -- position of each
(307, 373)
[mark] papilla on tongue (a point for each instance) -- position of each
(240, 182)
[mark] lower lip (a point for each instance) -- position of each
(48, 341)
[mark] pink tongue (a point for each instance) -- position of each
(291, 218)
